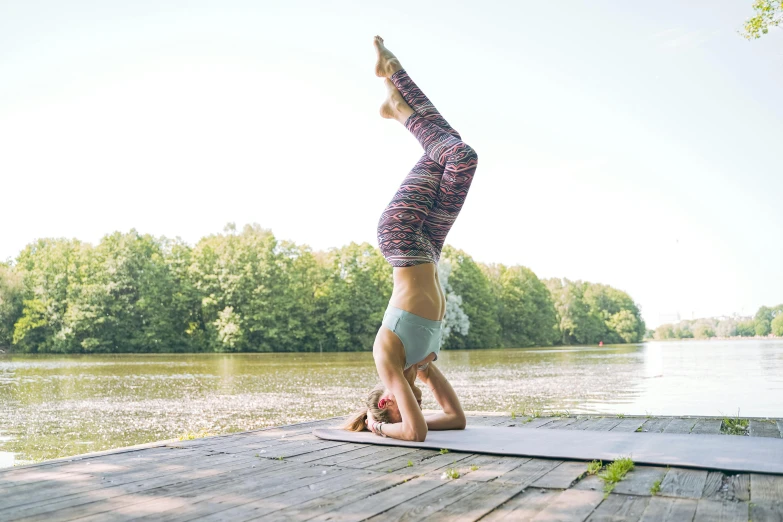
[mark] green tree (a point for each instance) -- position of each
(579, 323)
(746, 328)
(703, 331)
(469, 281)
(777, 325)
(526, 312)
(769, 13)
(11, 302)
(763, 321)
(257, 293)
(52, 271)
(664, 331)
(353, 296)
(128, 299)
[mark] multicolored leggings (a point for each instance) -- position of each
(413, 227)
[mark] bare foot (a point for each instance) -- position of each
(387, 63)
(395, 107)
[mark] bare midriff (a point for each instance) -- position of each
(417, 290)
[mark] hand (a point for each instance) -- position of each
(369, 421)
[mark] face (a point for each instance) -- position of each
(391, 405)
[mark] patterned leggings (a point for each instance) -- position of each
(413, 227)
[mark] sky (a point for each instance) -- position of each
(632, 144)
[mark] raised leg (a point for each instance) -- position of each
(400, 229)
(460, 162)
(389, 66)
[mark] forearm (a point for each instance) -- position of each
(452, 417)
(445, 421)
(399, 431)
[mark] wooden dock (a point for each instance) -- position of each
(286, 473)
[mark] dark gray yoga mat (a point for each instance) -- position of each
(723, 452)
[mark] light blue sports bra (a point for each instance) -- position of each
(420, 337)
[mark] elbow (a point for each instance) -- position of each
(417, 435)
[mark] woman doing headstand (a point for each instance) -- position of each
(411, 233)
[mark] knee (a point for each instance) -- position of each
(465, 153)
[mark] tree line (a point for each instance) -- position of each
(247, 291)
(767, 321)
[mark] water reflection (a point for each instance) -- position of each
(54, 406)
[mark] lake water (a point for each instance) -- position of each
(53, 406)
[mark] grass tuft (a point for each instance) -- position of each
(474, 467)
(513, 415)
(451, 473)
(621, 415)
(656, 487)
(410, 463)
(614, 473)
(443, 451)
(734, 426)
(594, 467)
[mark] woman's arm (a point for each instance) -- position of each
(452, 417)
(413, 426)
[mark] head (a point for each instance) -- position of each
(383, 406)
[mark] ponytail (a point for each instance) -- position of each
(357, 420)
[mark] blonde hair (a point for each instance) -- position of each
(356, 421)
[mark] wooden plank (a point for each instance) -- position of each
(572, 505)
(720, 486)
(524, 506)
(326, 505)
(490, 420)
(424, 507)
(767, 488)
(629, 424)
(601, 424)
(683, 483)
(167, 470)
(679, 425)
(590, 483)
(559, 423)
(620, 507)
(766, 511)
(721, 511)
(530, 422)
(640, 480)
(247, 501)
(116, 462)
(656, 424)
(215, 496)
(67, 506)
(385, 500)
(340, 458)
(377, 459)
(662, 509)
(415, 458)
(707, 427)
(529, 472)
(490, 467)
(578, 425)
(480, 502)
(325, 452)
(759, 428)
(563, 476)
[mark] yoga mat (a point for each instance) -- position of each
(720, 452)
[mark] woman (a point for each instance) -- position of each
(411, 233)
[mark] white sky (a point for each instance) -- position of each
(632, 144)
